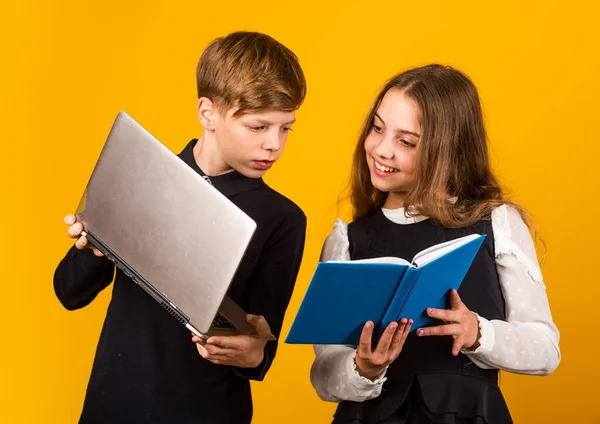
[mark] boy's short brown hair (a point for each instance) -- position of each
(250, 71)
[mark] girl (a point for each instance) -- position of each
(421, 176)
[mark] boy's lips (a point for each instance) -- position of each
(264, 164)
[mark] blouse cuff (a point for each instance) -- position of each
(357, 380)
(486, 341)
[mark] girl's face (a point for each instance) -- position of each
(391, 146)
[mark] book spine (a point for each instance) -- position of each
(395, 306)
(404, 288)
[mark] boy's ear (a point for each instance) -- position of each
(206, 113)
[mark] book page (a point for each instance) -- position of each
(440, 250)
(382, 260)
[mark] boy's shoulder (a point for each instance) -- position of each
(275, 205)
(266, 205)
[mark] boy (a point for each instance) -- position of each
(146, 369)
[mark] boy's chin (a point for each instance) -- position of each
(251, 172)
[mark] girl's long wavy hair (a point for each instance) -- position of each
(452, 155)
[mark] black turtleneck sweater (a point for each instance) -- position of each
(147, 369)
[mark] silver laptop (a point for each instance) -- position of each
(167, 228)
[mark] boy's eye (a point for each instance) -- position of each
(286, 129)
(259, 128)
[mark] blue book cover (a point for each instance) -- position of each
(343, 296)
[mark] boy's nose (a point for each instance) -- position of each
(272, 142)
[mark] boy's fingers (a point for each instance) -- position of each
(75, 230)
(81, 243)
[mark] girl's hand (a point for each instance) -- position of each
(461, 324)
(370, 363)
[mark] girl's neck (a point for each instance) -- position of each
(394, 200)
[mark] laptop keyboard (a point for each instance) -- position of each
(221, 322)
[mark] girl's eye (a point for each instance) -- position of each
(377, 129)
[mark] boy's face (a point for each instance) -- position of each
(251, 143)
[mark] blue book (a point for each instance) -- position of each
(343, 296)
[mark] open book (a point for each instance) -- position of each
(343, 296)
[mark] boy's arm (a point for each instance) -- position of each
(272, 284)
(80, 276)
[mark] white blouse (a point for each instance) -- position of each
(526, 343)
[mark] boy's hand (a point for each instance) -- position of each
(237, 351)
(74, 231)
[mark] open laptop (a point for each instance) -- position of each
(167, 228)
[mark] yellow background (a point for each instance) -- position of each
(68, 66)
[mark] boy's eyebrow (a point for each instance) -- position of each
(399, 131)
(267, 122)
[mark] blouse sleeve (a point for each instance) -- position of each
(333, 373)
(527, 342)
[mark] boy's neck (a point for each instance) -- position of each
(208, 157)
